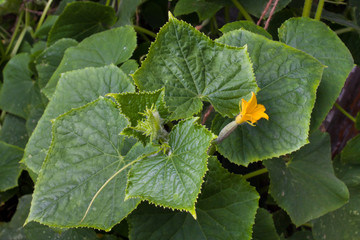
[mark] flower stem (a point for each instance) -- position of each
(307, 8)
(42, 18)
(344, 30)
(319, 9)
(242, 10)
(17, 27)
(255, 173)
(19, 40)
(344, 112)
(144, 30)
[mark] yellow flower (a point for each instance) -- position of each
(251, 112)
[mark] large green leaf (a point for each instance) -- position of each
(264, 228)
(193, 69)
(10, 156)
(20, 93)
(93, 52)
(225, 210)
(80, 20)
(85, 152)
(306, 186)
(75, 89)
(35, 231)
(343, 223)
(288, 79)
(13, 131)
(173, 179)
(247, 25)
(317, 39)
(50, 58)
(351, 152)
(203, 8)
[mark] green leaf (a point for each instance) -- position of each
(80, 20)
(301, 235)
(49, 60)
(129, 67)
(35, 231)
(264, 228)
(174, 179)
(351, 152)
(45, 28)
(19, 93)
(203, 8)
(317, 39)
(308, 173)
(127, 9)
(75, 89)
(225, 210)
(247, 25)
(85, 152)
(13, 131)
(257, 7)
(134, 105)
(193, 69)
(343, 223)
(92, 52)
(288, 79)
(10, 156)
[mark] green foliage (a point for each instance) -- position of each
(13, 131)
(246, 25)
(318, 40)
(307, 172)
(194, 69)
(225, 210)
(351, 152)
(80, 20)
(75, 89)
(9, 165)
(288, 79)
(120, 43)
(205, 9)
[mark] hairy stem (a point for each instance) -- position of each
(319, 9)
(42, 18)
(242, 10)
(271, 14)
(255, 173)
(266, 9)
(17, 27)
(307, 8)
(144, 30)
(344, 112)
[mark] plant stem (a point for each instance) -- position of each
(255, 173)
(18, 41)
(319, 9)
(144, 30)
(242, 10)
(337, 3)
(344, 30)
(17, 27)
(344, 112)
(307, 8)
(46, 9)
(107, 3)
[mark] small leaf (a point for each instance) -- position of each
(343, 223)
(13, 131)
(193, 68)
(247, 25)
(10, 170)
(264, 228)
(50, 58)
(225, 210)
(308, 173)
(351, 152)
(317, 39)
(204, 9)
(92, 52)
(85, 152)
(75, 89)
(174, 179)
(80, 20)
(288, 79)
(20, 93)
